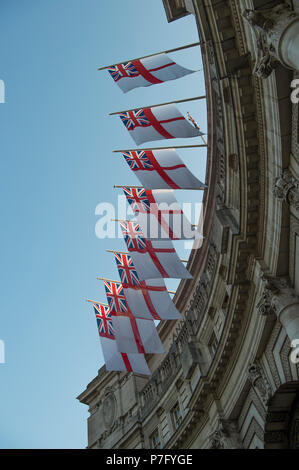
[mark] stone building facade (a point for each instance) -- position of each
(229, 378)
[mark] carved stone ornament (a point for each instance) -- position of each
(225, 436)
(217, 439)
(268, 26)
(286, 188)
(109, 409)
(277, 294)
(259, 381)
(264, 306)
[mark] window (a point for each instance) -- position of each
(155, 441)
(176, 415)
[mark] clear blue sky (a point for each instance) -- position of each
(56, 166)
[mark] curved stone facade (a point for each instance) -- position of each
(228, 379)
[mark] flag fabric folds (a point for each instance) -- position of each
(115, 360)
(159, 214)
(146, 299)
(152, 259)
(133, 335)
(161, 169)
(147, 71)
(160, 122)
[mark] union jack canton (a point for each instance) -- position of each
(132, 119)
(133, 236)
(123, 70)
(104, 321)
(137, 198)
(138, 160)
(115, 297)
(126, 269)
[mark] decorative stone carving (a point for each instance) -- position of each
(217, 439)
(109, 409)
(220, 198)
(273, 46)
(286, 188)
(259, 381)
(200, 297)
(279, 298)
(225, 436)
(276, 296)
(116, 424)
(211, 260)
(264, 306)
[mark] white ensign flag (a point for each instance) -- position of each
(153, 259)
(146, 299)
(146, 72)
(159, 214)
(161, 169)
(115, 360)
(156, 123)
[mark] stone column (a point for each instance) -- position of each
(280, 299)
(277, 34)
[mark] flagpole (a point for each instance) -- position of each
(128, 253)
(120, 220)
(160, 104)
(120, 252)
(134, 221)
(109, 280)
(96, 302)
(118, 282)
(161, 148)
(167, 51)
(115, 186)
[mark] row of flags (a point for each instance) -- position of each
(126, 323)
